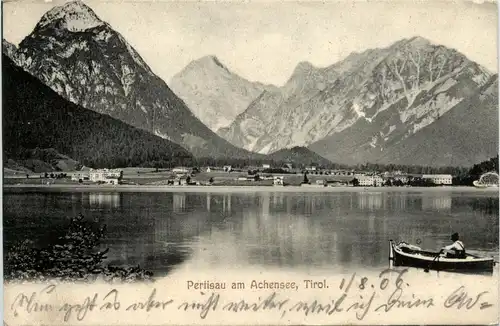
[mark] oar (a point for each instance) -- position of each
(437, 256)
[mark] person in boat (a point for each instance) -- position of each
(456, 249)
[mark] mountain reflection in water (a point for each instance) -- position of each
(342, 231)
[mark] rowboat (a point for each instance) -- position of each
(404, 254)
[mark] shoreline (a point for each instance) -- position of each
(207, 189)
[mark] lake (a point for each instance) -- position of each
(309, 231)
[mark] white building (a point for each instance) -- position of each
(311, 168)
(266, 166)
(370, 180)
(110, 176)
(439, 179)
(80, 176)
(379, 181)
(180, 170)
(365, 180)
(278, 181)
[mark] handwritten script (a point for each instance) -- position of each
(358, 296)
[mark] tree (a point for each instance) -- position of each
(398, 183)
(355, 182)
(74, 253)
(306, 179)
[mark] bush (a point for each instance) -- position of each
(73, 256)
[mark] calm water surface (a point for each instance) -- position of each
(342, 231)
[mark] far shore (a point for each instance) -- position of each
(223, 189)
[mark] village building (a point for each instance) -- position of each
(109, 176)
(278, 181)
(439, 179)
(365, 180)
(184, 181)
(266, 166)
(80, 177)
(310, 168)
(393, 177)
(179, 181)
(370, 180)
(180, 170)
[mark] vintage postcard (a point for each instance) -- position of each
(250, 163)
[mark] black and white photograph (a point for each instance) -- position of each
(250, 162)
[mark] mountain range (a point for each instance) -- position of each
(44, 132)
(378, 106)
(413, 102)
(84, 60)
(462, 136)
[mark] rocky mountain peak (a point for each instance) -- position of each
(302, 67)
(216, 61)
(419, 41)
(416, 43)
(74, 16)
(209, 61)
(213, 93)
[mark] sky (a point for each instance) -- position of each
(264, 40)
